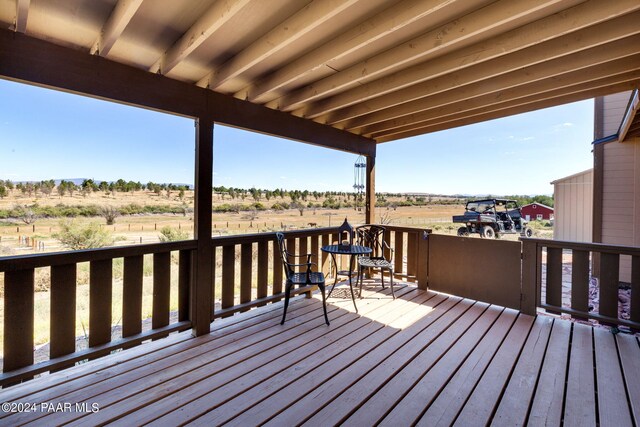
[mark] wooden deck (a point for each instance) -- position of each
(425, 358)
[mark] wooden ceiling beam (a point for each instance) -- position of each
(496, 114)
(549, 58)
(496, 90)
(295, 27)
(392, 19)
(215, 17)
(118, 20)
(506, 102)
(513, 46)
(34, 61)
(499, 16)
(22, 14)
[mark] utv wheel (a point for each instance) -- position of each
(527, 232)
(463, 232)
(488, 232)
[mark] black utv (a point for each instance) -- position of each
(492, 218)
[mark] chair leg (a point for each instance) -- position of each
(287, 293)
(382, 278)
(360, 279)
(324, 303)
(391, 285)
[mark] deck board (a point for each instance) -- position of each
(424, 358)
(580, 407)
(612, 398)
(486, 394)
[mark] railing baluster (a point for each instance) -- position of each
(609, 278)
(63, 313)
(325, 266)
(315, 250)
(100, 297)
(291, 248)
(228, 275)
(184, 281)
(580, 281)
(411, 256)
(246, 263)
(161, 289)
(635, 289)
(277, 268)
(263, 269)
(398, 253)
(554, 277)
(132, 295)
(18, 319)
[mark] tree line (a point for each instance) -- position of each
(88, 186)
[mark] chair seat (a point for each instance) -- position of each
(374, 262)
(315, 278)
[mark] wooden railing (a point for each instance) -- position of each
(410, 243)
(19, 278)
(581, 256)
(248, 281)
(250, 275)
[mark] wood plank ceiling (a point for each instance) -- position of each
(383, 69)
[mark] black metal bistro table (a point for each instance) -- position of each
(353, 251)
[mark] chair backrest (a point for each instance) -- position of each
(372, 236)
(284, 254)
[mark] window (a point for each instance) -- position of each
(539, 217)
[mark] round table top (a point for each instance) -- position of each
(347, 250)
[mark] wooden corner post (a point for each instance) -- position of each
(529, 282)
(370, 203)
(202, 283)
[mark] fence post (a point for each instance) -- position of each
(529, 277)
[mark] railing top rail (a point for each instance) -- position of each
(405, 229)
(593, 247)
(238, 239)
(22, 262)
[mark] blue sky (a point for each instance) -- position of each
(46, 134)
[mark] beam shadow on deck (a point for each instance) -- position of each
(424, 358)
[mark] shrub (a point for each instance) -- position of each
(170, 234)
(77, 236)
(109, 213)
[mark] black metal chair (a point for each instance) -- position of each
(372, 236)
(300, 279)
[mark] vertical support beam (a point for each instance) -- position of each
(201, 287)
(598, 188)
(370, 202)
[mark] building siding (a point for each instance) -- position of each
(614, 108)
(621, 198)
(573, 206)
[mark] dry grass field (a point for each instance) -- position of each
(17, 237)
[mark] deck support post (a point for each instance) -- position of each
(528, 290)
(202, 283)
(370, 202)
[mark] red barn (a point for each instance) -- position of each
(537, 211)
